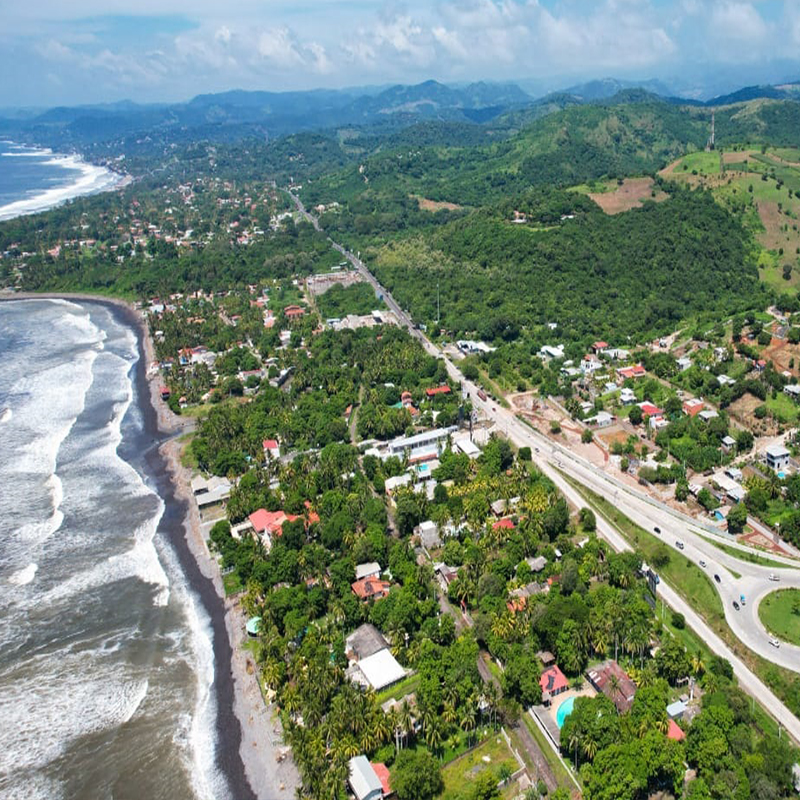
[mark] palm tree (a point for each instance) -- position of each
(468, 721)
(433, 735)
(450, 714)
(405, 718)
(698, 665)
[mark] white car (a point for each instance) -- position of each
(773, 577)
(774, 642)
(702, 564)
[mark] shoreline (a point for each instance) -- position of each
(246, 740)
(93, 179)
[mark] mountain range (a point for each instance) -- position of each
(235, 114)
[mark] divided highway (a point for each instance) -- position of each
(674, 527)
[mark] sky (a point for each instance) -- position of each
(86, 51)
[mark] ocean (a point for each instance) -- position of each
(107, 649)
(33, 179)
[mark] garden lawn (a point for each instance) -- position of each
(780, 613)
(459, 774)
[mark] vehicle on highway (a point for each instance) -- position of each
(741, 599)
(679, 544)
(774, 642)
(735, 605)
(481, 394)
(657, 529)
(717, 578)
(493, 408)
(774, 577)
(702, 563)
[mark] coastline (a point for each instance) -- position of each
(93, 179)
(247, 741)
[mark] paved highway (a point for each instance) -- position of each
(553, 459)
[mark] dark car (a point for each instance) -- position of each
(657, 529)
(717, 578)
(735, 605)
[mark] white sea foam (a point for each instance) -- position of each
(24, 576)
(92, 179)
(91, 695)
(6, 414)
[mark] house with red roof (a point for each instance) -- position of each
(271, 448)
(693, 406)
(382, 771)
(505, 523)
(553, 682)
(651, 409)
(636, 371)
(437, 390)
(371, 588)
(599, 347)
(675, 732)
(293, 312)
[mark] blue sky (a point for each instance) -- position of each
(80, 51)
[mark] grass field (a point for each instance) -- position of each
(703, 163)
(232, 583)
(459, 774)
(400, 689)
(780, 613)
(783, 408)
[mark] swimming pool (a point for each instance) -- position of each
(781, 475)
(564, 710)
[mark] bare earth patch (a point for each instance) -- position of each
(743, 410)
(632, 193)
(434, 205)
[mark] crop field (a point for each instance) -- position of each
(630, 194)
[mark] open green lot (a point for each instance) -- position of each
(780, 613)
(703, 163)
(783, 408)
(459, 774)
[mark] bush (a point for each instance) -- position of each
(524, 454)
(586, 436)
(555, 426)
(678, 620)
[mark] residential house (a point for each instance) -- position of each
(377, 671)
(599, 347)
(693, 407)
(625, 373)
(610, 679)
(708, 414)
(728, 444)
(428, 532)
(777, 457)
(551, 352)
(364, 641)
(272, 450)
(366, 785)
(725, 380)
(371, 588)
(431, 393)
(553, 682)
(676, 710)
(371, 569)
(684, 363)
(602, 419)
(536, 564)
(445, 575)
(293, 312)
(793, 390)
(627, 396)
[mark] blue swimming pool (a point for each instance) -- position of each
(781, 475)
(564, 710)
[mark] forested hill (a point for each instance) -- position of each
(632, 275)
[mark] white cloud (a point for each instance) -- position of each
(731, 21)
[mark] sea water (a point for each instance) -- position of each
(33, 179)
(106, 660)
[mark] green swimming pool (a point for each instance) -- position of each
(564, 710)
